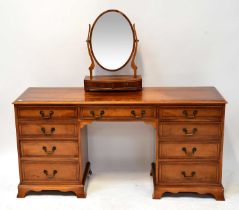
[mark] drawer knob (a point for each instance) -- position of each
(50, 176)
(194, 149)
(193, 173)
(53, 149)
(46, 116)
(43, 130)
(134, 115)
(102, 112)
(188, 116)
(194, 130)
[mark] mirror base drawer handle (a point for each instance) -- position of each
(53, 149)
(43, 130)
(46, 117)
(193, 116)
(194, 149)
(102, 112)
(193, 173)
(50, 176)
(194, 130)
(133, 114)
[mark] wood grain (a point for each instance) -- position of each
(113, 83)
(189, 126)
(156, 95)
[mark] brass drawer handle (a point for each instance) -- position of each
(133, 114)
(43, 130)
(194, 149)
(193, 116)
(46, 117)
(102, 112)
(193, 173)
(185, 130)
(50, 176)
(53, 149)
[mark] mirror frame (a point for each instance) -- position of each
(91, 52)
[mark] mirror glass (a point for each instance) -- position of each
(112, 40)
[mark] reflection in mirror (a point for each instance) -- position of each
(112, 40)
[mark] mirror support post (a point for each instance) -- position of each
(133, 65)
(92, 65)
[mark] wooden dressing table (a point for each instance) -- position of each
(52, 137)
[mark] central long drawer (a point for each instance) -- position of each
(119, 112)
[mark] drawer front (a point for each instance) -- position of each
(112, 85)
(50, 171)
(45, 130)
(189, 150)
(191, 113)
(190, 130)
(49, 149)
(137, 112)
(47, 113)
(198, 173)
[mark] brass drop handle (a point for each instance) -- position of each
(133, 114)
(193, 173)
(186, 115)
(50, 176)
(102, 112)
(194, 130)
(48, 116)
(53, 149)
(194, 149)
(43, 130)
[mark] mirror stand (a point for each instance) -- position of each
(133, 65)
(113, 82)
(92, 65)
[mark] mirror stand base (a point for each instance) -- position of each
(113, 83)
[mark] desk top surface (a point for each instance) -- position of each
(149, 95)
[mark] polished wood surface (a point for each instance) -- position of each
(31, 148)
(50, 171)
(43, 113)
(113, 83)
(189, 130)
(160, 95)
(182, 173)
(52, 142)
(46, 130)
(109, 112)
(185, 150)
(191, 113)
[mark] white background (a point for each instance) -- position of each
(182, 43)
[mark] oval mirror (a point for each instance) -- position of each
(112, 40)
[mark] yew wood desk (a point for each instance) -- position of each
(52, 138)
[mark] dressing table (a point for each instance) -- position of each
(51, 123)
(52, 137)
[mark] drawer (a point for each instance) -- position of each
(48, 130)
(176, 173)
(104, 112)
(189, 150)
(190, 130)
(191, 113)
(50, 171)
(46, 113)
(49, 149)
